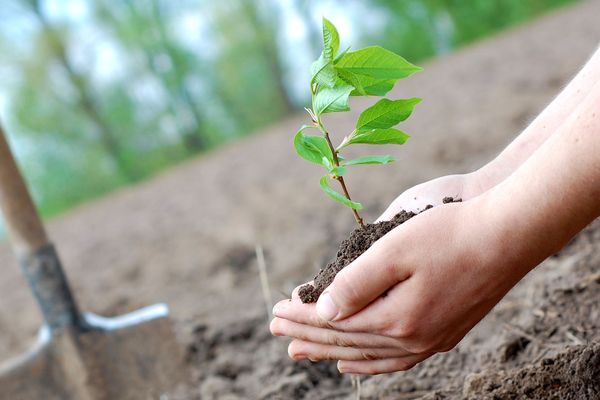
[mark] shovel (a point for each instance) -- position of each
(79, 356)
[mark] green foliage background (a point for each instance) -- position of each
(101, 94)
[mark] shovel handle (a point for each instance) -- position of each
(20, 215)
(38, 258)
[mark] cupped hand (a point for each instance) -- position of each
(459, 186)
(417, 291)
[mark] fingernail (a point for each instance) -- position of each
(343, 369)
(326, 308)
(276, 309)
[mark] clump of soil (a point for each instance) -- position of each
(572, 374)
(350, 249)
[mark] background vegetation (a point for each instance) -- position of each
(97, 94)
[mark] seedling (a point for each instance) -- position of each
(372, 71)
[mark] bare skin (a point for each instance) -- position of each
(445, 269)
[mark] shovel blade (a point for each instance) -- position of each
(135, 356)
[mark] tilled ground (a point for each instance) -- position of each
(188, 237)
(541, 342)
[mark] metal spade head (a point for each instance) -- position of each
(79, 356)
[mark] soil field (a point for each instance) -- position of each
(188, 238)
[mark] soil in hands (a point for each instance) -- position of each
(350, 249)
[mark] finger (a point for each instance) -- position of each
(364, 280)
(300, 349)
(284, 327)
(306, 314)
(394, 315)
(381, 366)
(297, 289)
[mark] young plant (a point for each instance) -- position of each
(372, 71)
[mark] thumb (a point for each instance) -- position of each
(361, 282)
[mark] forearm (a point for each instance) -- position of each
(544, 126)
(556, 192)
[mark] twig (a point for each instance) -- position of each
(584, 283)
(574, 338)
(542, 354)
(412, 395)
(356, 385)
(522, 333)
(264, 281)
(531, 338)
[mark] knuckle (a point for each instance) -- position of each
(404, 330)
(329, 355)
(421, 347)
(326, 324)
(322, 354)
(389, 267)
(368, 355)
(349, 296)
(341, 340)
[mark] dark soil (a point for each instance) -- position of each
(350, 249)
(572, 375)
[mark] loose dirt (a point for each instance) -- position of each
(350, 249)
(359, 241)
(187, 238)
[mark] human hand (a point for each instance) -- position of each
(441, 272)
(415, 199)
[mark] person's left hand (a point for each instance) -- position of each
(415, 292)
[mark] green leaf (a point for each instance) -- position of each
(377, 87)
(377, 136)
(386, 113)
(365, 85)
(377, 62)
(338, 171)
(323, 73)
(313, 148)
(338, 197)
(342, 54)
(371, 160)
(331, 40)
(333, 169)
(333, 99)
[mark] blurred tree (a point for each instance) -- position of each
(142, 28)
(409, 29)
(54, 46)
(241, 69)
(264, 23)
(422, 28)
(303, 8)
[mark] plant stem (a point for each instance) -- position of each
(357, 217)
(340, 179)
